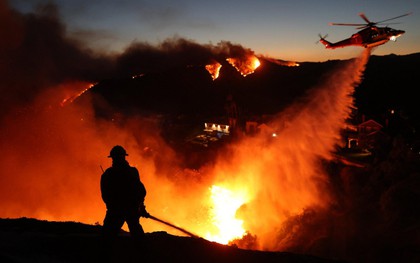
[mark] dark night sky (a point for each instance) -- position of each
(280, 29)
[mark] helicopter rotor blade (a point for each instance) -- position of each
(363, 16)
(391, 23)
(394, 17)
(345, 24)
(368, 22)
(362, 27)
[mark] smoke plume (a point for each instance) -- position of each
(55, 148)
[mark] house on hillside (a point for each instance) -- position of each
(223, 129)
(365, 135)
(255, 127)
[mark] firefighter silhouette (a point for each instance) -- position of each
(123, 194)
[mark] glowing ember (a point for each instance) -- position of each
(71, 98)
(137, 76)
(214, 69)
(225, 205)
(246, 65)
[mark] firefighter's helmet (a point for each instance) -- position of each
(117, 150)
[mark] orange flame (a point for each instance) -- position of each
(246, 65)
(214, 69)
(225, 204)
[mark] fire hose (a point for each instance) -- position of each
(172, 225)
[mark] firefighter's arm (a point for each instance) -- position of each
(142, 211)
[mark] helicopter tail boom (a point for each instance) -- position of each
(326, 43)
(354, 40)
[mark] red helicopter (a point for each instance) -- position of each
(369, 36)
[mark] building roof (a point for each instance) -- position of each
(370, 123)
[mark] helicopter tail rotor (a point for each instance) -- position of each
(321, 38)
(325, 36)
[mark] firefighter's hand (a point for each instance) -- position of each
(143, 212)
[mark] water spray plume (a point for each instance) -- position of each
(284, 174)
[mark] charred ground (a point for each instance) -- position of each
(31, 240)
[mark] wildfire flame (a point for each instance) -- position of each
(225, 204)
(214, 69)
(246, 65)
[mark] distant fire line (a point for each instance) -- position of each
(71, 98)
